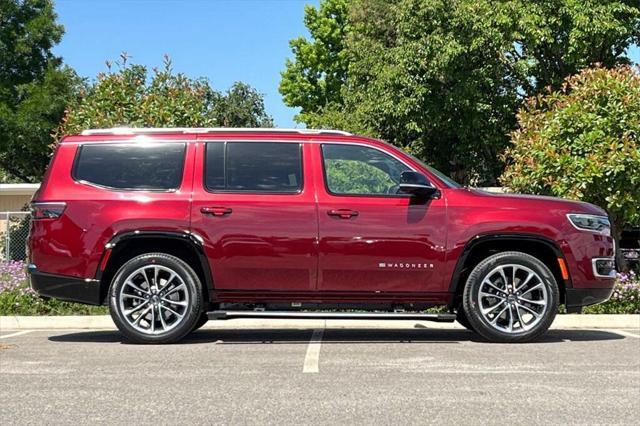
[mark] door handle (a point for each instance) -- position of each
(216, 211)
(343, 213)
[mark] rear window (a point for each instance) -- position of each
(271, 167)
(153, 167)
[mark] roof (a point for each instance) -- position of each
(192, 130)
(18, 188)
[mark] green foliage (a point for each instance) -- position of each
(21, 302)
(312, 80)
(443, 79)
(356, 177)
(34, 88)
(127, 97)
(582, 142)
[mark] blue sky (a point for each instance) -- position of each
(223, 40)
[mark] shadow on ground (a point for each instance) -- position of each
(419, 335)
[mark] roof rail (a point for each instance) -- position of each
(151, 130)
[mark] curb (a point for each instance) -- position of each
(104, 322)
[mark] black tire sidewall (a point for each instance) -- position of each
(194, 289)
(470, 302)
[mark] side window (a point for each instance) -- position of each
(360, 170)
(152, 167)
(270, 167)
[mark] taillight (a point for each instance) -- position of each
(53, 210)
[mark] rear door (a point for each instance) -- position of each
(255, 208)
(371, 238)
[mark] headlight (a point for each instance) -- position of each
(590, 222)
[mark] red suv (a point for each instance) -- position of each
(172, 227)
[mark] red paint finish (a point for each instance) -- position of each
(267, 242)
(308, 246)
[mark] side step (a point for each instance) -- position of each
(222, 315)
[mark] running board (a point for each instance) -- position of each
(222, 315)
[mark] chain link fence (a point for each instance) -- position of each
(14, 230)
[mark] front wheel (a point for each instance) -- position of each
(155, 298)
(511, 297)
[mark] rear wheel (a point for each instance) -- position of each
(510, 297)
(155, 298)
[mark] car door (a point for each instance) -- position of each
(254, 207)
(372, 239)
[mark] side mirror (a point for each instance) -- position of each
(416, 184)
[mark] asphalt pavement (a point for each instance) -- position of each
(320, 376)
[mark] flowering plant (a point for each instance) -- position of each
(17, 298)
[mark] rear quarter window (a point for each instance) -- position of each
(151, 167)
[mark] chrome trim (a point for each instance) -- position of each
(568, 215)
(595, 270)
(332, 315)
(188, 130)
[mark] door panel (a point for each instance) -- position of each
(383, 242)
(258, 239)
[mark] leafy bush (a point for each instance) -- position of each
(128, 97)
(582, 142)
(16, 298)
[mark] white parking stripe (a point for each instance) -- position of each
(313, 352)
(625, 333)
(19, 333)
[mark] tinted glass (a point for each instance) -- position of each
(138, 167)
(359, 170)
(254, 167)
(215, 166)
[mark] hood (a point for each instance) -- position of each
(539, 201)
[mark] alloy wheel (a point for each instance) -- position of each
(512, 298)
(153, 299)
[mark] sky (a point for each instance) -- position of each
(223, 40)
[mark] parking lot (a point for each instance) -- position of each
(412, 375)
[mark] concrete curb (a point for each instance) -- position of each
(104, 322)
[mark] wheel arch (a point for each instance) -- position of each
(482, 246)
(125, 246)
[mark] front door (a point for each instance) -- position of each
(371, 238)
(255, 209)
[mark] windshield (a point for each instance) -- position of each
(446, 179)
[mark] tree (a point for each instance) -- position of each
(34, 87)
(582, 142)
(444, 79)
(127, 97)
(312, 80)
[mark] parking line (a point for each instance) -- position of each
(19, 333)
(625, 333)
(313, 352)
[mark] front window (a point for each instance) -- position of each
(444, 178)
(360, 170)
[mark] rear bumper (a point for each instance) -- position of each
(72, 289)
(579, 297)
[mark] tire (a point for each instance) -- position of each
(201, 321)
(155, 298)
(516, 311)
(462, 319)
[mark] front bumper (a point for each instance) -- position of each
(576, 298)
(71, 289)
